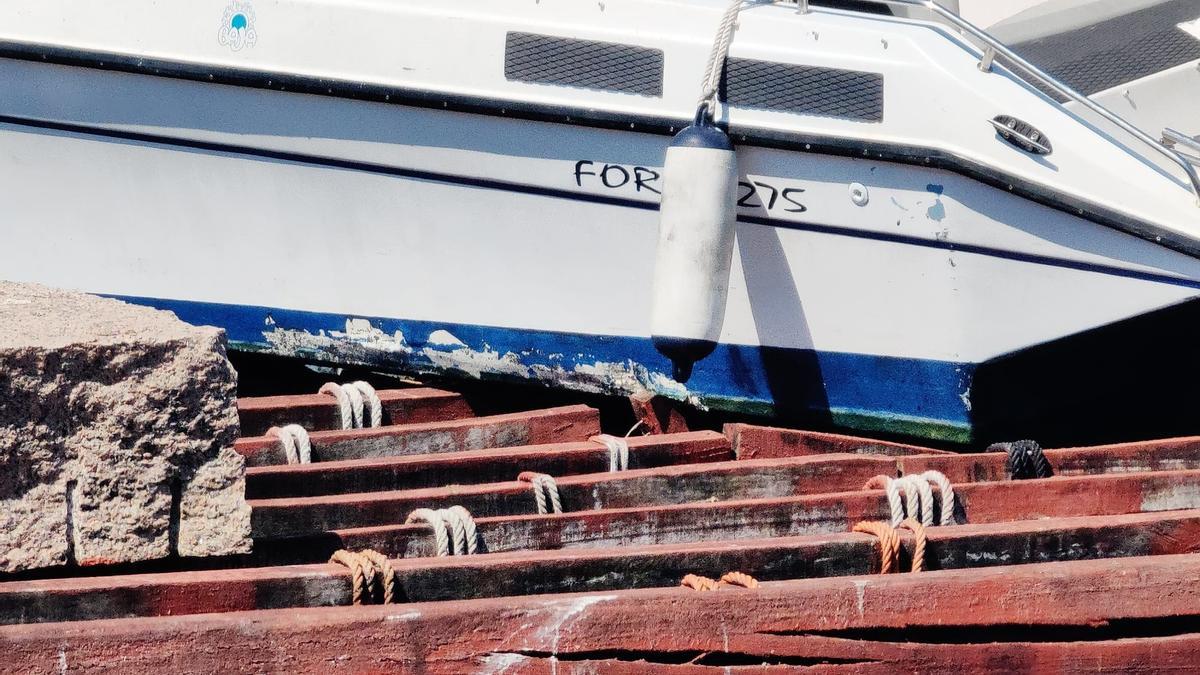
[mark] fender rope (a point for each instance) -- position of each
(918, 530)
(1025, 460)
(618, 451)
(544, 489)
(296, 445)
(716, 58)
(889, 543)
(434, 520)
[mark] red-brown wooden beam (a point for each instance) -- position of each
(640, 487)
(478, 466)
(748, 519)
(552, 425)
(593, 570)
(317, 412)
(757, 442)
(721, 481)
(1030, 618)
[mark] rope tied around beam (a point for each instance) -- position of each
(889, 543)
(352, 400)
(1026, 460)
(441, 541)
(545, 491)
(918, 497)
(918, 530)
(454, 530)
(699, 583)
(297, 447)
(371, 576)
(618, 451)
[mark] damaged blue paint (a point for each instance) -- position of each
(874, 393)
(937, 211)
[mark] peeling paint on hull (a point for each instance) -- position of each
(927, 399)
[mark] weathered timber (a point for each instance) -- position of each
(681, 484)
(747, 519)
(1171, 454)
(317, 412)
(1066, 615)
(593, 570)
(478, 466)
(751, 441)
(552, 425)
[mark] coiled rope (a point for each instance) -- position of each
(297, 448)
(699, 583)
(918, 497)
(1025, 460)
(889, 543)
(441, 541)
(454, 530)
(618, 451)
(545, 491)
(352, 399)
(371, 576)
(918, 530)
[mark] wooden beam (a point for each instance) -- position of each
(593, 570)
(757, 442)
(478, 466)
(318, 412)
(552, 425)
(721, 481)
(1028, 617)
(748, 519)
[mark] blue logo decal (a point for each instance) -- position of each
(237, 27)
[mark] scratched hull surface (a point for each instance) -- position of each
(421, 238)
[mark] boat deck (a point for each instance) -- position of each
(1092, 568)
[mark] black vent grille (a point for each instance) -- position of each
(605, 66)
(805, 90)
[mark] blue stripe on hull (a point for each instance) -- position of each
(875, 393)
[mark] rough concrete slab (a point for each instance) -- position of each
(117, 426)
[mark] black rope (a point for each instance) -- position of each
(1025, 460)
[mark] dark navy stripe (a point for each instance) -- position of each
(506, 186)
(603, 119)
(747, 377)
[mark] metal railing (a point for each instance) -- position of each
(993, 48)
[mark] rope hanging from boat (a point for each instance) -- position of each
(618, 451)
(371, 576)
(454, 530)
(948, 497)
(297, 447)
(1025, 460)
(545, 491)
(716, 61)
(352, 399)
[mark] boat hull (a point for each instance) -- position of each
(477, 245)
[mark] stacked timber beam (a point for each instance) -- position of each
(1091, 569)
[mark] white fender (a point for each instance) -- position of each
(696, 229)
